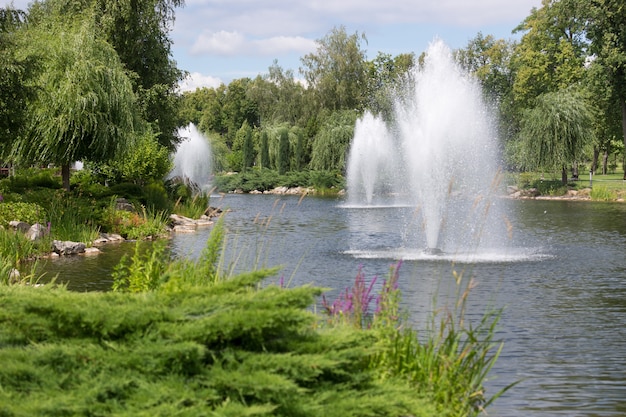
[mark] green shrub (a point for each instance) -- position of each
(127, 190)
(26, 212)
(156, 198)
(193, 207)
(550, 187)
(601, 193)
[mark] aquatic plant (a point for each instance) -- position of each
(449, 361)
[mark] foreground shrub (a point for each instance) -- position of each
(228, 349)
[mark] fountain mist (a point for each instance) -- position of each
(192, 160)
(438, 154)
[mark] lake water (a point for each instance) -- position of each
(560, 277)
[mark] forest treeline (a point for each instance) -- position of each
(94, 80)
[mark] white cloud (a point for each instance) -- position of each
(196, 80)
(234, 43)
(284, 44)
(219, 43)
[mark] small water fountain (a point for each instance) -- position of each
(438, 153)
(193, 158)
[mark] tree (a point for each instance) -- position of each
(265, 150)
(607, 31)
(332, 141)
(555, 132)
(552, 52)
(489, 60)
(384, 74)
(283, 151)
(138, 30)
(336, 72)
(238, 108)
(86, 106)
(247, 146)
(15, 87)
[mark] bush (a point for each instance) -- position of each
(600, 193)
(26, 212)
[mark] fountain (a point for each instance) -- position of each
(192, 160)
(438, 153)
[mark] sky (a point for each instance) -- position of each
(217, 41)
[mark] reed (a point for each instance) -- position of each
(449, 361)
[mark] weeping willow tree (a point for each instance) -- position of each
(332, 141)
(556, 131)
(85, 109)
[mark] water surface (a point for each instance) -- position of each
(559, 275)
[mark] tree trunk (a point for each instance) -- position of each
(594, 163)
(564, 175)
(575, 171)
(623, 106)
(605, 161)
(65, 176)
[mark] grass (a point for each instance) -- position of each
(610, 187)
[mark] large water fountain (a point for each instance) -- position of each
(193, 158)
(437, 154)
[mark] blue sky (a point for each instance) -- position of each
(220, 40)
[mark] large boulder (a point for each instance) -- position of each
(67, 247)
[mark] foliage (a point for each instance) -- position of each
(72, 219)
(227, 349)
(145, 224)
(15, 248)
(602, 193)
(284, 152)
(266, 180)
(450, 365)
(193, 207)
(556, 130)
(144, 161)
(26, 212)
(15, 88)
(336, 70)
(85, 107)
(550, 55)
(331, 143)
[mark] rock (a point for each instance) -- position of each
(67, 247)
(512, 189)
(108, 238)
(177, 219)
(14, 276)
(184, 228)
(123, 205)
(36, 231)
(21, 226)
(91, 251)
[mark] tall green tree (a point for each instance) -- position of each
(489, 60)
(552, 51)
(85, 109)
(555, 132)
(384, 74)
(247, 146)
(330, 145)
(336, 71)
(265, 149)
(607, 31)
(139, 31)
(283, 159)
(16, 89)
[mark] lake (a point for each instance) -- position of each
(560, 277)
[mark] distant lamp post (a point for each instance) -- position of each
(591, 178)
